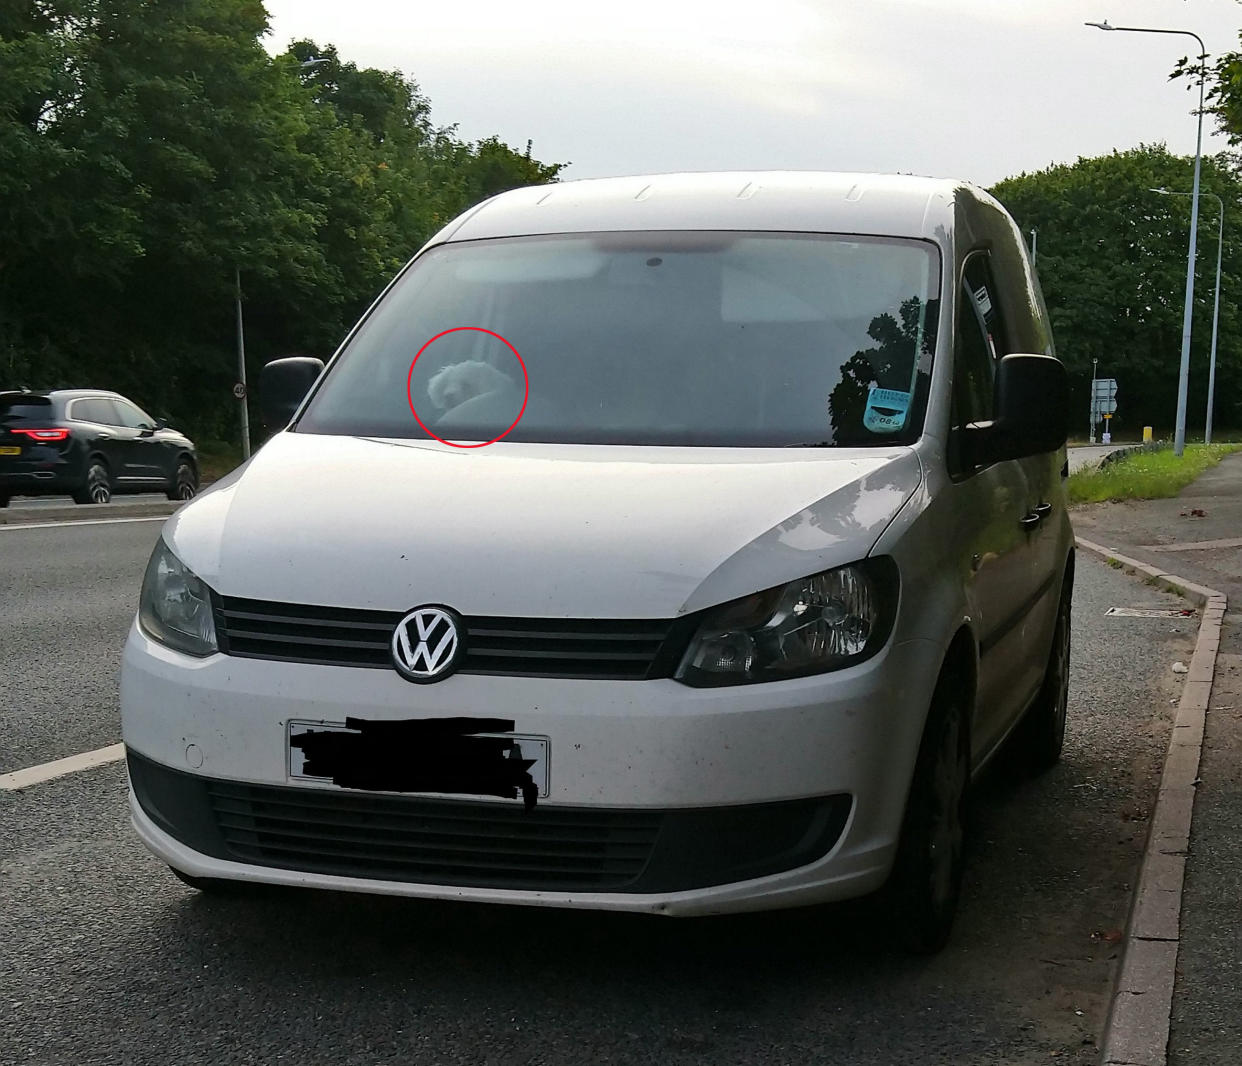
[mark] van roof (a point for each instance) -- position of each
(790, 201)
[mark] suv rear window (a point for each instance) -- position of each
(26, 409)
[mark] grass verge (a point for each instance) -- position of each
(1146, 475)
(217, 458)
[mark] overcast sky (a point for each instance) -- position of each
(975, 89)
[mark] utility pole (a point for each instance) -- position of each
(1091, 436)
(239, 390)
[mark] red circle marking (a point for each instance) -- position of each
(409, 386)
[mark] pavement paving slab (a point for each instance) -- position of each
(1196, 535)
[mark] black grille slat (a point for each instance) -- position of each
(381, 870)
(393, 840)
(568, 654)
(285, 619)
(488, 634)
(547, 832)
(297, 638)
(611, 649)
(438, 841)
(493, 862)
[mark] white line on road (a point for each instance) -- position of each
(14, 526)
(35, 775)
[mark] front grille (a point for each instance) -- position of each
(613, 649)
(469, 843)
(395, 838)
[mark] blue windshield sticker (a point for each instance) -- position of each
(886, 410)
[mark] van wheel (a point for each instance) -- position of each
(4, 499)
(98, 487)
(1041, 735)
(926, 881)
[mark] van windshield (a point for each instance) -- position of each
(684, 338)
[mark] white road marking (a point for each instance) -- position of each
(36, 775)
(10, 527)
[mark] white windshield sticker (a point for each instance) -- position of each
(886, 410)
(983, 299)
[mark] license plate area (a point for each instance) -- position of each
(9, 450)
(307, 757)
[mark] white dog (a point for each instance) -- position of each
(459, 382)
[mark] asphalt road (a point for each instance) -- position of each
(106, 958)
(43, 502)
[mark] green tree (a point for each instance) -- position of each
(149, 150)
(1112, 263)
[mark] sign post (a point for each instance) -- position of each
(1103, 405)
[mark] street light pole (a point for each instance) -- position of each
(241, 366)
(1091, 434)
(1179, 433)
(239, 389)
(1220, 245)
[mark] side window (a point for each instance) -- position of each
(97, 410)
(984, 295)
(132, 417)
(979, 342)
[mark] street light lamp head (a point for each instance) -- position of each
(1162, 192)
(1100, 25)
(313, 63)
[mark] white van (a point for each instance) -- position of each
(679, 544)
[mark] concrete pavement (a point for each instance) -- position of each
(1197, 536)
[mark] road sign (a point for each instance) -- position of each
(239, 390)
(1104, 395)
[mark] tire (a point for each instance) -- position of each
(98, 486)
(4, 499)
(1041, 736)
(184, 485)
(925, 885)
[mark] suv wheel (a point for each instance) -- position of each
(4, 499)
(184, 485)
(926, 881)
(98, 487)
(1041, 735)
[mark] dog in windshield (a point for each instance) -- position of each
(459, 382)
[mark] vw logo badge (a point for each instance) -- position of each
(425, 644)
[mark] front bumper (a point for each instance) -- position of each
(733, 799)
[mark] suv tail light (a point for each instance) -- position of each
(42, 435)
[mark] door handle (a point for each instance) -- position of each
(1043, 509)
(1030, 521)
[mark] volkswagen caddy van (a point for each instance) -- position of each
(679, 544)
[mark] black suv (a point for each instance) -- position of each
(89, 444)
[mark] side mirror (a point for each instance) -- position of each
(160, 423)
(1031, 411)
(283, 385)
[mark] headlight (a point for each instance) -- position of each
(175, 606)
(812, 625)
